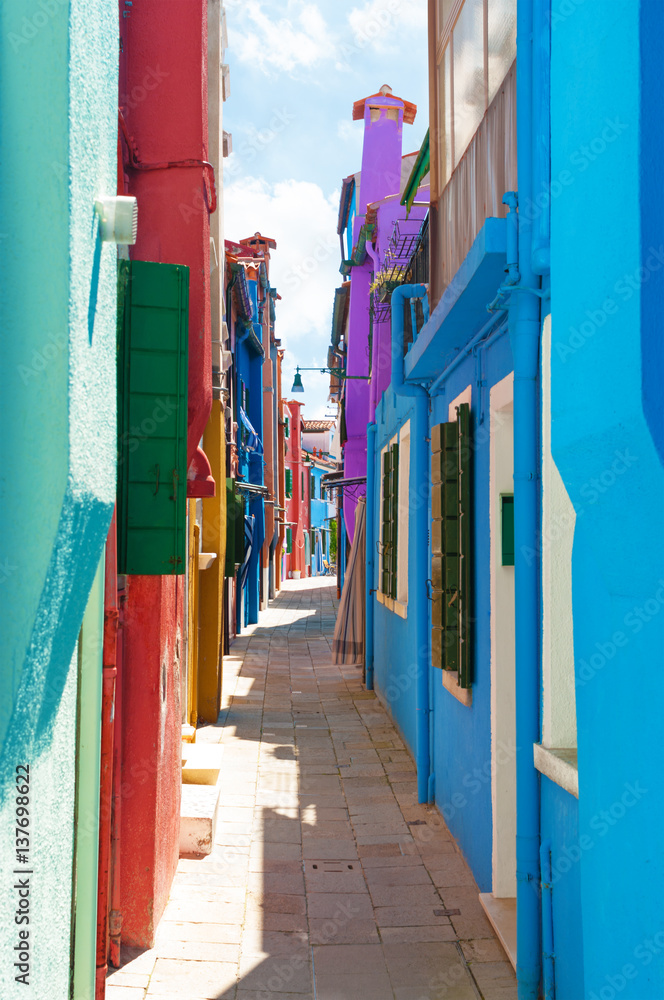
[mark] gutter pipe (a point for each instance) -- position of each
(524, 327)
(420, 509)
(547, 922)
(490, 327)
(369, 588)
(373, 387)
(109, 676)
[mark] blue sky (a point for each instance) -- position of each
(296, 68)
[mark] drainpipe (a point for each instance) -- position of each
(548, 973)
(420, 509)
(369, 623)
(524, 326)
(109, 675)
(373, 388)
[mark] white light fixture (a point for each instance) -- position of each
(118, 218)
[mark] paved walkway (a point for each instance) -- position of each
(327, 880)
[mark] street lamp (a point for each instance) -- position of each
(338, 372)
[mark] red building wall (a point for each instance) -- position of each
(163, 143)
(297, 506)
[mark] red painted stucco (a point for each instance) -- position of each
(163, 103)
(151, 756)
(297, 506)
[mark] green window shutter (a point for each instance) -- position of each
(387, 522)
(302, 486)
(234, 529)
(451, 555)
(394, 492)
(465, 552)
(152, 417)
(289, 483)
(507, 528)
(289, 540)
(287, 427)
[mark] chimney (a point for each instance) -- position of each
(383, 115)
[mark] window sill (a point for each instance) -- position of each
(396, 606)
(463, 695)
(559, 765)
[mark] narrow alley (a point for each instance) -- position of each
(327, 880)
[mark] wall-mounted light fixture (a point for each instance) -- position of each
(337, 372)
(118, 218)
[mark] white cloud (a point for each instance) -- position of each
(304, 267)
(379, 24)
(271, 38)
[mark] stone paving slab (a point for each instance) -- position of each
(325, 871)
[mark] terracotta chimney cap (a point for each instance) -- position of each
(385, 92)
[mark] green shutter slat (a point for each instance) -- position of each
(465, 534)
(394, 491)
(153, 304)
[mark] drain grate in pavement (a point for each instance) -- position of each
(327, 866)
(447, 913)
(416, 822)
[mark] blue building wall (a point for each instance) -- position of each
(251, 463)
(461, 735)
(560, 822)
(606, 264)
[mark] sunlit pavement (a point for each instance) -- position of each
(327, 879)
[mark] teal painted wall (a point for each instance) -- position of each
(58, 150)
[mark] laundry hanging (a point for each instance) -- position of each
(348, 640)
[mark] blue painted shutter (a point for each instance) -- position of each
(152, 417)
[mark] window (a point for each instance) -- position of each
(451, 566)
(475, 51)
(395, 511)
(289, 541)
(390, 515)
(289, 483)
(302, 485)
(507, 529)
(287, 427)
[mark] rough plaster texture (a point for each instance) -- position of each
(58, 98)
(151, 752)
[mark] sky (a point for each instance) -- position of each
(296, 67)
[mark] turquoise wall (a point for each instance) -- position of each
(607, 258)
(58, 152)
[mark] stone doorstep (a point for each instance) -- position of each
(198, 818)
(201, 763)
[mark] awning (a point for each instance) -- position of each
(418, 173)
(254, 488)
